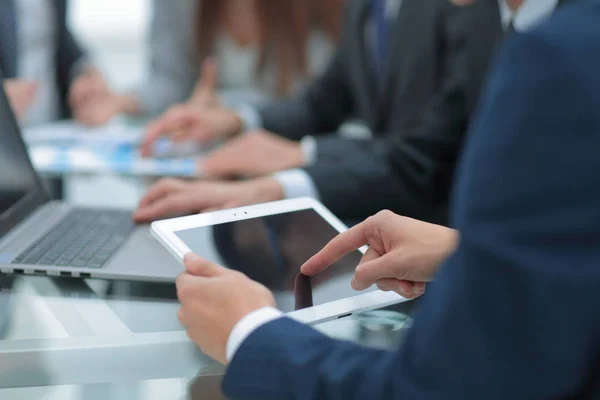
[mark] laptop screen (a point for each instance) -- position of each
(21, 191)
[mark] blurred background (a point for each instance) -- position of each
(114, 32)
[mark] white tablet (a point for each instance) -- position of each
(269, 242)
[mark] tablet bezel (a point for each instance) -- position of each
(164, 232)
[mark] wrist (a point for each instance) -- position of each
(450, 240)
(268, 189)
(128, 105)
(298, 159)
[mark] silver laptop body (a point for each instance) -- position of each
(29, 221)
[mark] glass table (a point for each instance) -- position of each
(73, 339)
(69, 339)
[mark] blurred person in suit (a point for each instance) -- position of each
(48, 75)
(407, 168)
(514, 312)
(247, 50)
(400, 85)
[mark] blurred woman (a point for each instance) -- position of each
(261, 49)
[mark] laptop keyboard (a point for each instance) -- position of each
(84, 238)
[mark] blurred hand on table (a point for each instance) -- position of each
(403, 253)
(94, 103)
(202, 119)
(179, 197)
(253, 154)
(20, 94)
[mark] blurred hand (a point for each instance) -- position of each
(87, 92)
(404, 253)
(178, 197)
(256, 153)
(102, 109)
(213, 300)
(187, 122)
(88, 85)
(20, 94)
(205, 94)
(203, 118)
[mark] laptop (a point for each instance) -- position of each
(51, 238)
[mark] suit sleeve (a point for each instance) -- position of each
(406, 171)
(322, 107)
(514, 313)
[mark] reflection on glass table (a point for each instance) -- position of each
(73, 339)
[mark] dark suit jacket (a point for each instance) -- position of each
(515, 312)
(349, 88)
(409, 169)
(68, 52)
(422, 112)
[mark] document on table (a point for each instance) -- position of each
(68, 147)
(73, 133)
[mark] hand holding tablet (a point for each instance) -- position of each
(268, 243)
(404, 253)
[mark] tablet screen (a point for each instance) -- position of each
(271, 250)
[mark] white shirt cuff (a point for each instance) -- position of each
(250, 117)
(297, 183)
(308, 145)
(247, 325)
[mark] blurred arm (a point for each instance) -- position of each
(408, 172)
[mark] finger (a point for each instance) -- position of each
(154, 131)
(179, 203)
(181, 317)
(370, 255)
(341, 245)
(186, 285)
(199, 266)
(406, 289)
(177, 119)
(162, 188)
(167, 123)
(391, 265)
(209, 76)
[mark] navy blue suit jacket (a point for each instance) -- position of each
(68, 51)
(515, 312)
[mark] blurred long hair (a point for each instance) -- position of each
(285, 27)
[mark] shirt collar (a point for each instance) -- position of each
(531, 13)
